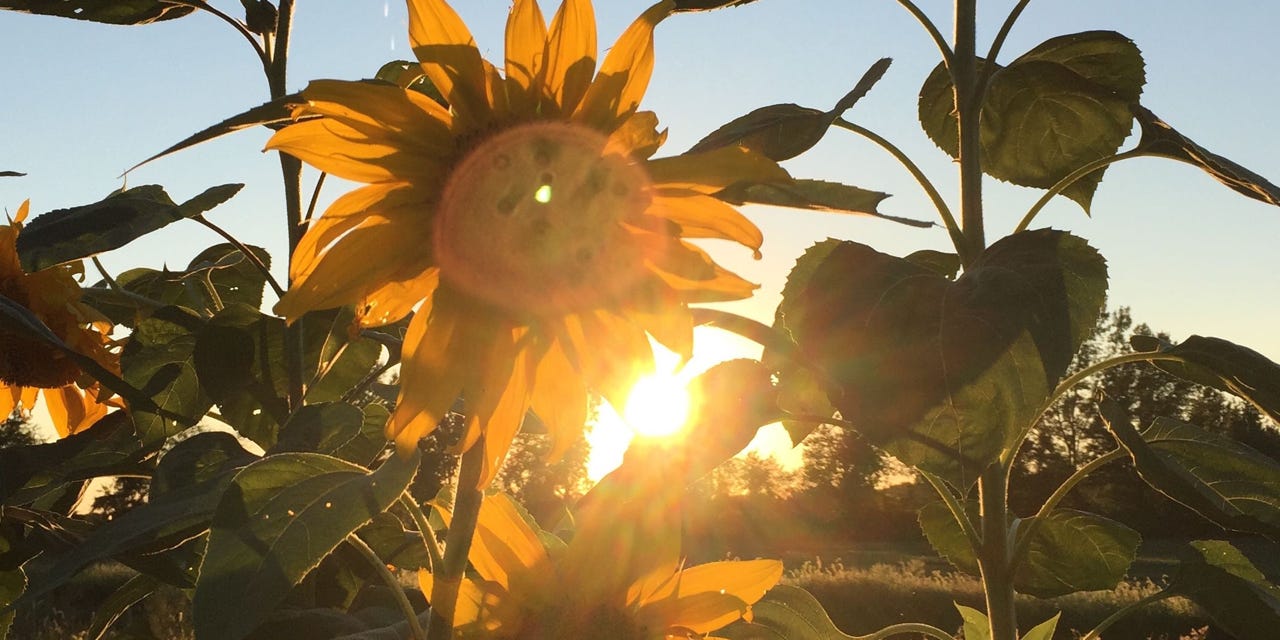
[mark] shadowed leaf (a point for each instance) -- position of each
(12, 583)
(106, 448)
(122, 217)
(110, 610)
(1230, 588)
(1222, 365)
(1158, 138)
(785, 613)
(159, 360)
(683, 6)
(275, 112)
(1223, 480)
(122, 12)
(11, 174)
(817, 195)
(1056, 108)
(784, 131)
(280, 518)
(946, 374)
(321, 428)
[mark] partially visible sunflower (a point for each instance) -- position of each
(526, 222)
(618, 577)
(28, 366)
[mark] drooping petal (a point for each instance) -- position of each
(434, 370)
(560, 400)
(504, 544)
(712, 595)
(624, 76)
(723, 287)
(700, 216)
(448, 55)
(570, 58)
(501, 401)
(371, 155)
(394, 300)
(712, 171)
(637, 136)
(525, 45)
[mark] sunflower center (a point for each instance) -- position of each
(532, 220)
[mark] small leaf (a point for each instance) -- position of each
(201, 458)
(394, 544)
(159, 360)
(109, 610)
(260, 16)
(275, 112)
(784, 131)
(1074, 551)
(1044, 630)
(72, 234)
(976, 626)
(280, 518)
(11, 174)
(1223, 480)
(1158, 138)
(785, 612)
(122, 12)
(1230, 588)
(1223, 365)
(815, 195)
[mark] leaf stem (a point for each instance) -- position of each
(956, 509)
(244, 249)
(457, 543)
(315, 196)
(907, 627)
(953, 228)
(1096, 632)
(388, 578)
(239, 26)
(1071, 179)
(989, 68)
(424, 528)
(1025, 534)
(938, 39)
(1081, 375)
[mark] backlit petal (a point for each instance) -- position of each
(394, 300)
(500, 404)
(389, 200)
(702, 216)
(624, 75)
(570, 58)
(637, 136)
(526, 42)
(712, 595)
(504, 544)
(712, 171)
(433, 373)
(368, 155)
(448, 54)
(560, 400)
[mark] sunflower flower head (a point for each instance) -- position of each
(29, 367)
(619, 577)
(523, 221)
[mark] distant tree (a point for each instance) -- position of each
(16, 431)
(545, 489)
(122, 494)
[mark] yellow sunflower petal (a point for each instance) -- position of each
(624, 75)
(712, 595)
(504, 544)
(560, 400)
(673, 328)
(501, 404)
(616, 541)
(610, 352)
(526, 42)
(722, 286)
(360, 155)
(700, 216)
(637, 136)
(9, 397)
(435, 367)
(417, 119)
(712, 171)
(394, 300)
(570, 58)
(448, 55)
(345, 214)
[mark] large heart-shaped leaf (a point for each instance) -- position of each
(1069, 550)
(71, 234)
(948, 375)
(1158, 138)
(111, 12)
(1056, 108)
(1230, 588)
(1222, 365)
(785, 613)
(1223, 480)
(279, 519)
(159, 361)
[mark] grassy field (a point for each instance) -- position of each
(876, 589)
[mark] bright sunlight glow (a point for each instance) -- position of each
(658, 405)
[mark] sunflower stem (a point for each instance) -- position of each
(389, 579)
(969, 97)
(457, 543)
(424, 528)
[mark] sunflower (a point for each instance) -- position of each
(526, 222)
(620, 576)
(29, 367)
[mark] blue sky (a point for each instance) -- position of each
(85, 101)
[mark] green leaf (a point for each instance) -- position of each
(108, 447)
(123, 12)
(275, 112)
(335, 361)
(946, 265)
(784, 131)
(71, 234)
(372, 439)
(159, 360)
(234, 277)
(815, 195)
(1230, 588)
(110, 610)
(201, 458)
(1223, 480)
(1056, 108)
(1223, 365)
(1158, 138)
(321, 428)
(948, 375)
(1044, 630)
(12, 583)
(976, 626)
(785, 612)
(394, 544)
(280, 518)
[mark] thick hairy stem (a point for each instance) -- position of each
(457, 544)
(969, 98)
(995, 552)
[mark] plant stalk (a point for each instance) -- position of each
(457, 543)
(969, 98)
(995, 553)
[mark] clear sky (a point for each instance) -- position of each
(83, 102)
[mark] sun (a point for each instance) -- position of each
(658, 405)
